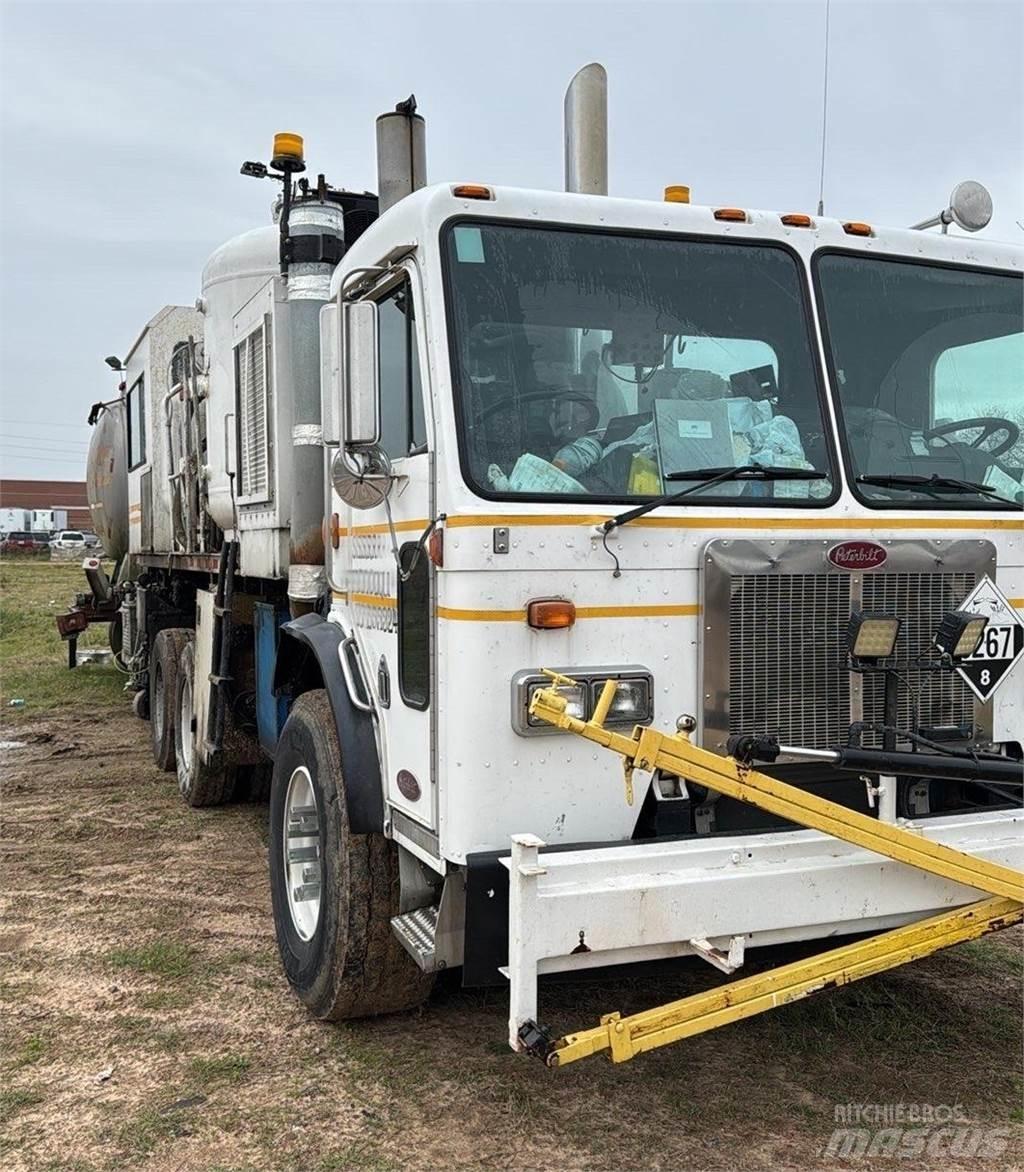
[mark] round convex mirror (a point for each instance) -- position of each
(970, 206)
(362, 479)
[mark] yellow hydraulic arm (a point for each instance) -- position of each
(676, 755)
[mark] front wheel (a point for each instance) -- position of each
(333, 892)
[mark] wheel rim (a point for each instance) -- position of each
(156, 713)
(301, 848)
(185, 724)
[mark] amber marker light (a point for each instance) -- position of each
(550, 614)
(472, 191)
(797, 220)
(856, 228)
(734, 215)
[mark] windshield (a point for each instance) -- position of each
(928, 363)
(589, 365)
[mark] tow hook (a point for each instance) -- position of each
(536, 1040)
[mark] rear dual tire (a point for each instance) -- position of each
(333, 892)
(168, 647)
(199, 783)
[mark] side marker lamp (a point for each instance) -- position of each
(960, 634)
(872, 636)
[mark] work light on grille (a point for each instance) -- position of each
(960, 634)
(872, 635)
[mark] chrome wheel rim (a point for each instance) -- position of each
(301, 848)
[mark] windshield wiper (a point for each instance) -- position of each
(708, 477)
(933, 483)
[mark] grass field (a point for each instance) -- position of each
(146, 1023)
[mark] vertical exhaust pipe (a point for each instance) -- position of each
(401, 153)
(586, 131)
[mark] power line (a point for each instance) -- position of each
(44, 439)
(38, 423)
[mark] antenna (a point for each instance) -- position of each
(824, 115)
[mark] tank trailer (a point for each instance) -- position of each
(583, 580)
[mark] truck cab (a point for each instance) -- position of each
(470, 448)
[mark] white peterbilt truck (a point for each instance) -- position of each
(761, 470)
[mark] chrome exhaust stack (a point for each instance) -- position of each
(401, 153)
(586, 131)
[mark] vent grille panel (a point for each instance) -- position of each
(787, 652)
(783, 678)
(253, 411)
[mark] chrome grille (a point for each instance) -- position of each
(786, 656)
(920, 600)
(787, 653)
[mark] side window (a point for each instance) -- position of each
(137, 424)
(402, 428)
(414, 628)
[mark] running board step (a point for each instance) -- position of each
(416, 931)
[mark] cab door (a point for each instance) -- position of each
(392, 614)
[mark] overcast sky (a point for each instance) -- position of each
(124, 124)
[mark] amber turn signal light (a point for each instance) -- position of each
(550, 614)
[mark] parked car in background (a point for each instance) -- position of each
(91, 540)
(68, 539)
(22, 541)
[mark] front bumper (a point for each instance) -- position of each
(648, 900)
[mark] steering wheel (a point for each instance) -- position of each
(988, 427)
(537, 396)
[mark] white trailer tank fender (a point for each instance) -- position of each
(236, 271)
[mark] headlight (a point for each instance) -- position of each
(632, 704)
(575, 696)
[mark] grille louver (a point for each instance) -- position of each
(773, 641)
(253, 411)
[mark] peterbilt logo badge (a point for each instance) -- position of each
(857, 555)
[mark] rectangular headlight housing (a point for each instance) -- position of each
(633, 702)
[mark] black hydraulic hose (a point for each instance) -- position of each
(928, 765)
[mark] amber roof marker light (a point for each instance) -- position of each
(472, 191)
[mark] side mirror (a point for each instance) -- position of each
(362, 479)
(360, 374)
(970, 206)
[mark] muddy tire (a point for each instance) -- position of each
(200, 784)
(337, 947)
(163, 677)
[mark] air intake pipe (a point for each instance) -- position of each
(401, 153)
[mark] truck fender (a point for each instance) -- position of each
(312, 635)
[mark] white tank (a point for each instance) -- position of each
(106, 480)
(232, 275)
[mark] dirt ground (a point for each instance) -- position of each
(146, 1023)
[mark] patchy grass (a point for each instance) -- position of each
(15, 1099)
(33, 658)
(33, 1049)
(227, 1068)
(172, 959)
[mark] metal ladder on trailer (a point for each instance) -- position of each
(675, 754)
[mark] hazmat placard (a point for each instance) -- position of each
(1001, 645)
